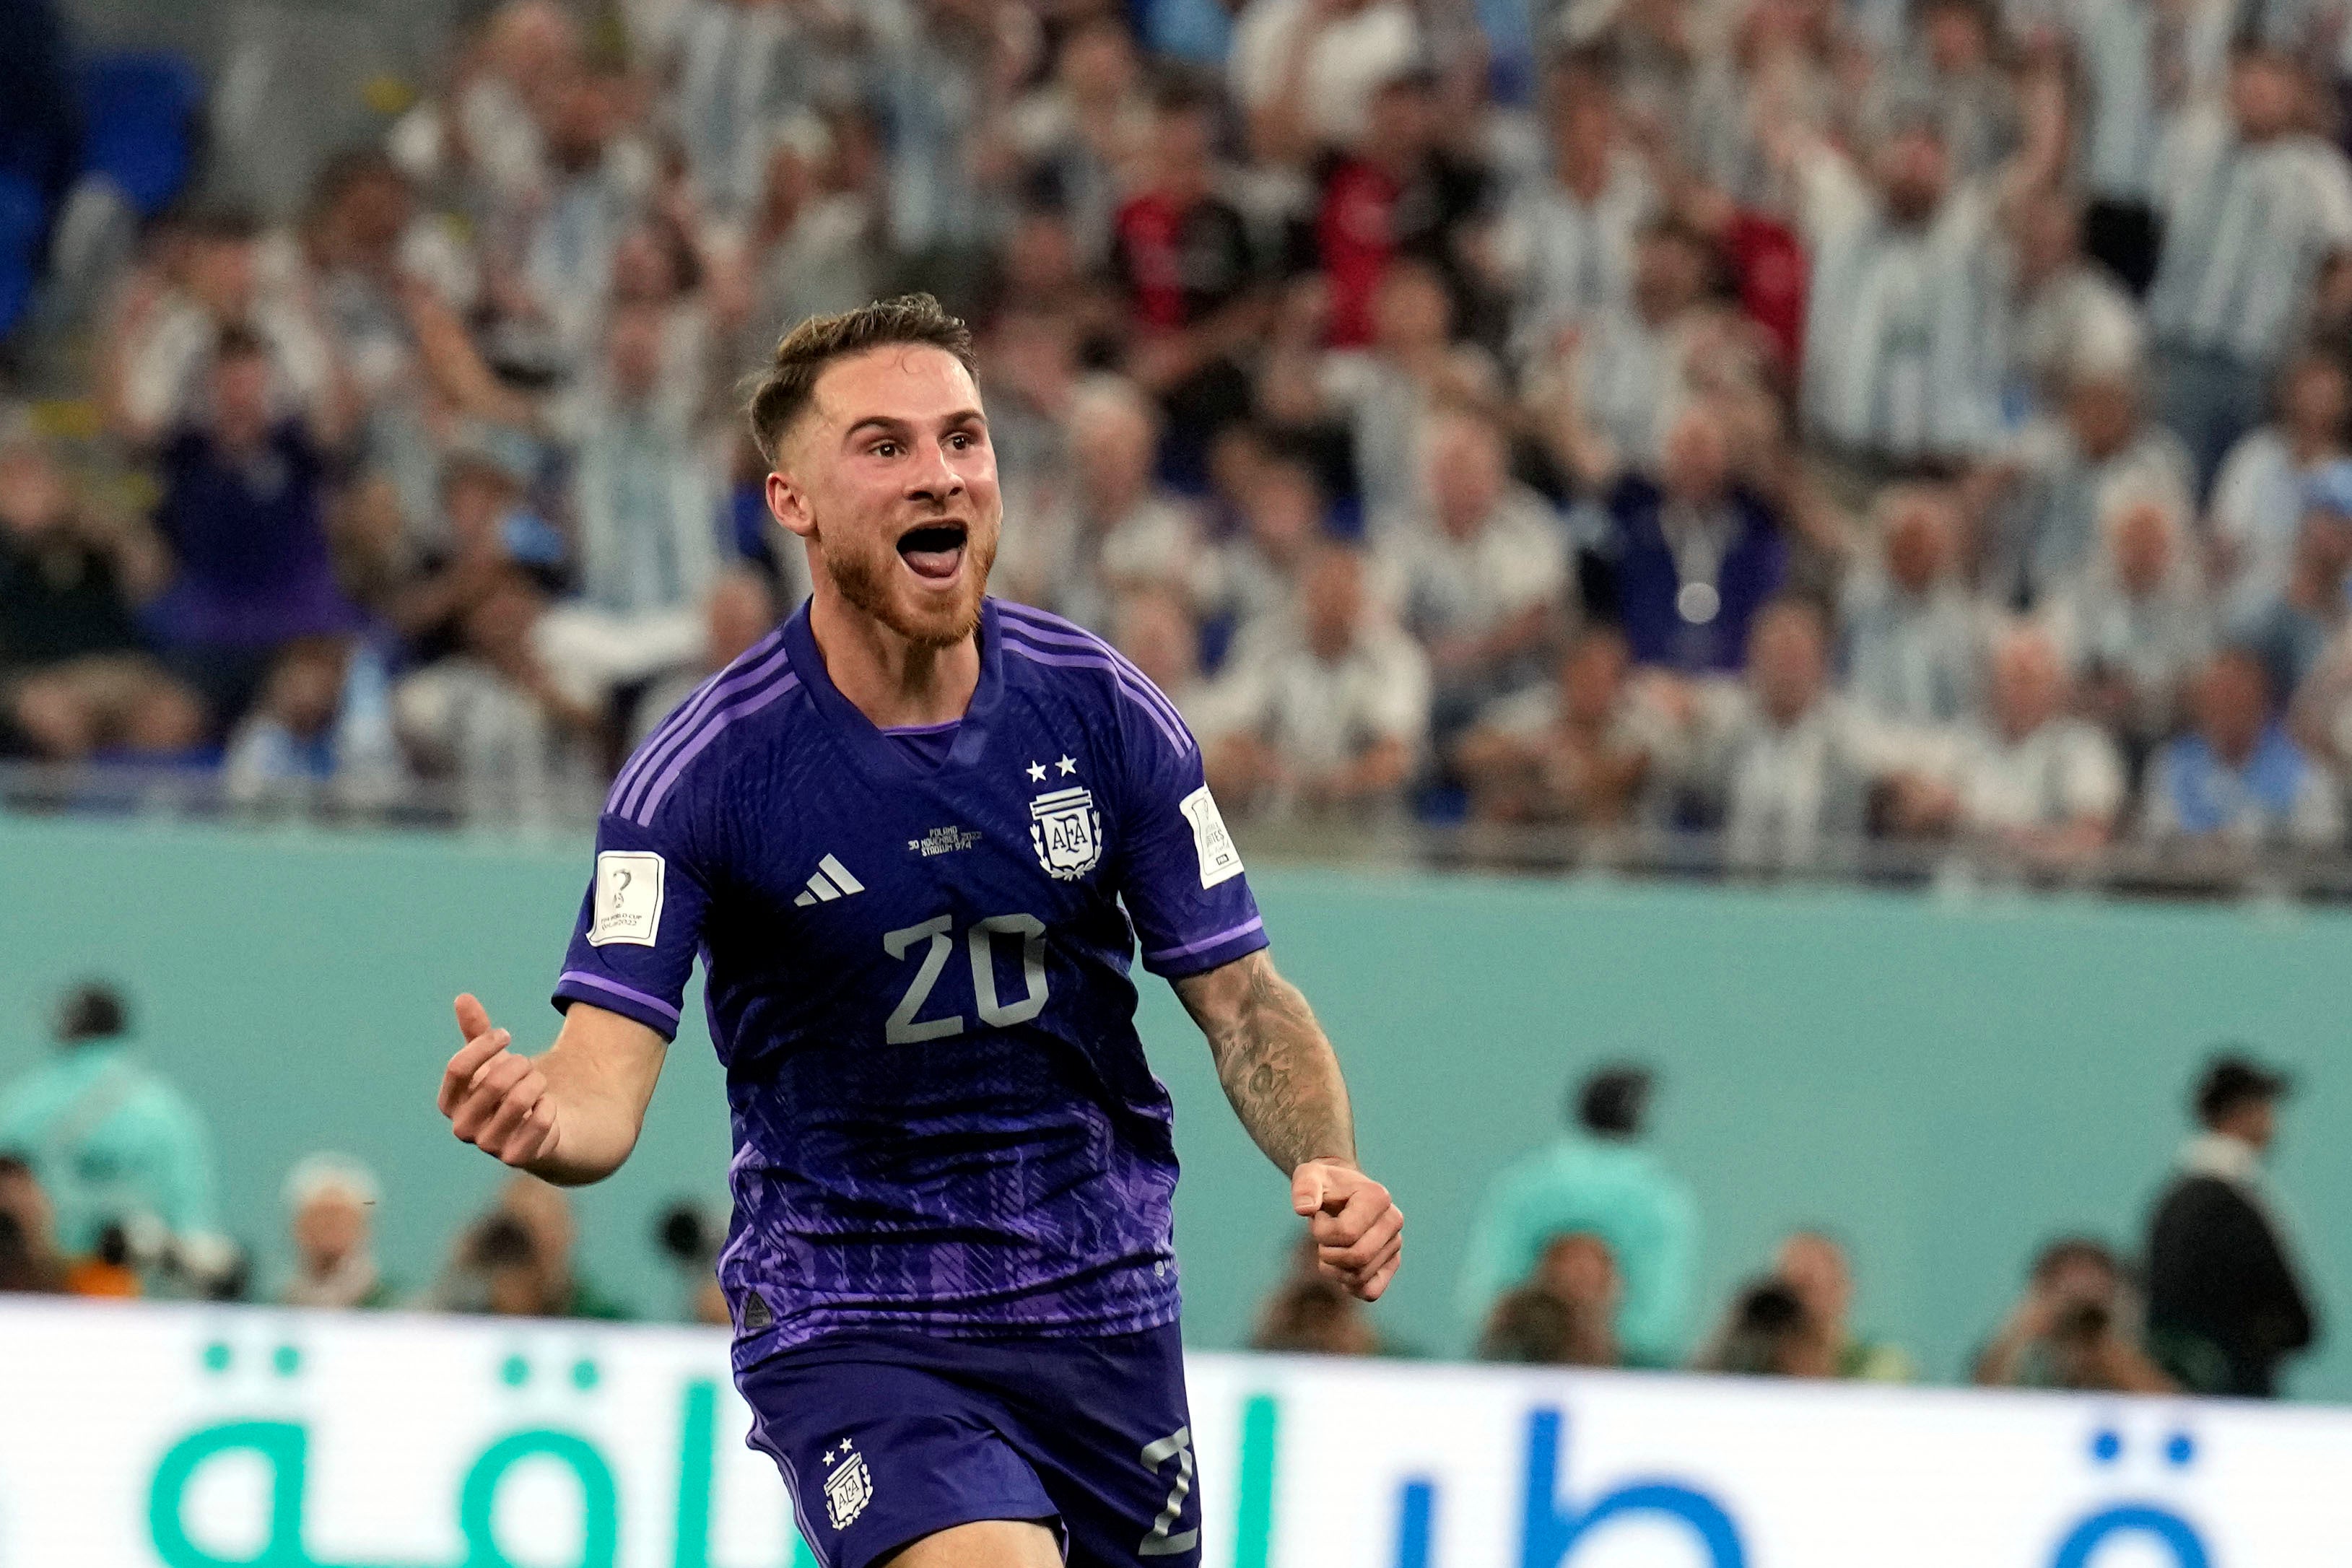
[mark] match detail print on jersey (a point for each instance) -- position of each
(1219, 861)
(628, 898)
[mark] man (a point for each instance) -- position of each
(1600, 1182)
(2253, 207)
(1912, 632)
(2225, 1306)
(902, 828)
(1334, 716)
(2237, 778)
(112, 1140)
(2074, 1327)
(1815, 1268)
(330, 1200)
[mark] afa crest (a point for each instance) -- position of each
(1066, 832)
(848, 1486)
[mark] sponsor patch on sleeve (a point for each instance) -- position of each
(628, 898)
(1219, 861)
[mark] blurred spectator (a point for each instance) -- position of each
(1481, 577)
(517, 1261)
(1188, 268)
(110, 1139)
(2067, 313)
(1249, 587)
(1785, 764)
(329, 1202)
(1565, 1314)
(2254, 205)
(1304, 71)
(1914, 638)
(1599, 1181)
(1109, 527)
(1769, 1331)
(740, 611)
(1082, 130)
(2235, 777)
(28, 1251)
(1815, 1270)
(244, 516)
(1694, 554)
(2072, 473)
(1331, 719)
(2260, 495)
(1576, 750)
(1898, 365)
(2074, 1327)
(1568, 233)
(2290, 632)
(1156, 633)
(1385, 390)
(2028, 776)
(321, 730)
(1310, 1315)
(74, 678)
(2135, 624)
(2227, 1304)
(692, 1241)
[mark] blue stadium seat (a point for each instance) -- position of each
(23, 215)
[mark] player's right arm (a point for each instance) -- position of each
(570, 1116)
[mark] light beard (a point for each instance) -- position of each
(863, 582)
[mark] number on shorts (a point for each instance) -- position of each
(1177, 1445)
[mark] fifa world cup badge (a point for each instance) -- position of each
(848, 1485)
(1066, 832)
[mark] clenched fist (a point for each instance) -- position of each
(1358, 1232)
(495, 1099)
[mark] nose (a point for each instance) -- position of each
(934, 479)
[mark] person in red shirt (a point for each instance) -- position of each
(1194, 287)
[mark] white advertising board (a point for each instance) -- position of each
(194, 1438)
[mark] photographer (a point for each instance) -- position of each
(692, 1240)
(516, 1261)
(2075, 1327)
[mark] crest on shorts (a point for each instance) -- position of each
(1066, 832)
(848, 1485)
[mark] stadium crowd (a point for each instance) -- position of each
(1584, 1253)
(1918, 420)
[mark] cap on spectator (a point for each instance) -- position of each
(2330, 490)
(1614, 1100)
(91, 1011)
(315, 1176)
(2232, 1079)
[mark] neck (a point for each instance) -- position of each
(891, 679)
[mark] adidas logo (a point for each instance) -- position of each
(832, 881)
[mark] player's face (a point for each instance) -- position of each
(891, 480)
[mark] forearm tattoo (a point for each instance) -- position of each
(1276, 1066)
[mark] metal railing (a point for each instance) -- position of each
(2184, 870)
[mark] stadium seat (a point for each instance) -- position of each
(140, 113)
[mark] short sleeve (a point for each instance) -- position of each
(1184, 883)
(640, 925)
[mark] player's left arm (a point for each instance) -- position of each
(1282, 1078)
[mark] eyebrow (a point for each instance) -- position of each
(890, 424)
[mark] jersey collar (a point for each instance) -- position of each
(876, 753)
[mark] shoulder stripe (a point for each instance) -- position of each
(1134, 689)
(747, 671)
(1255, 923)
(717, 724)
(1052, 630)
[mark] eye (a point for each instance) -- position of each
(884, 448)
(959, 441)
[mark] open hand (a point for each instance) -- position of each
(1358, 1232)
(494, 1099)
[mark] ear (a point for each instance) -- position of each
(788, 504)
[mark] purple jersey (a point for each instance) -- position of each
(915, 953)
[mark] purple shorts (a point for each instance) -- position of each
(885, 1438)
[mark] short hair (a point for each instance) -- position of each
(783, 391)
(91, 1011)
(2069, 1250)
(1611, 1103)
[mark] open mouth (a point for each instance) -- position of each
(934, 552)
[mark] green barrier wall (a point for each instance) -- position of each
(1944, 1083)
